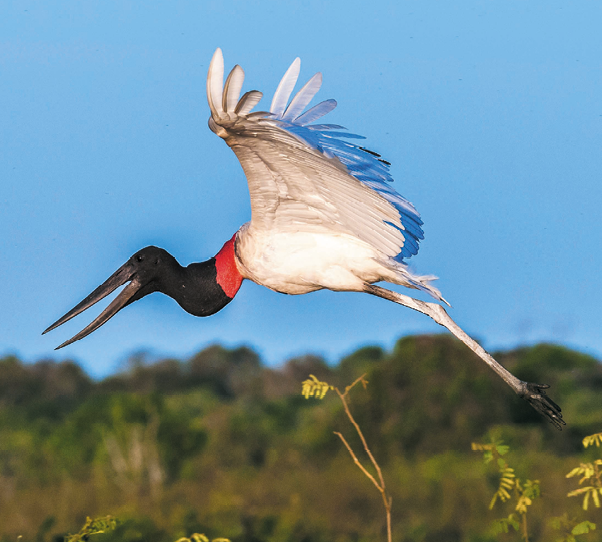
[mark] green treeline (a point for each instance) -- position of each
(223, 445)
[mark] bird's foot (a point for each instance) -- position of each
(535, 395)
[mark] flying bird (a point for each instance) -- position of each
(324, 216)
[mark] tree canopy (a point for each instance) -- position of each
(219, 443)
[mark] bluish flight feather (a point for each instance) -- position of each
(317, 111)
(366, 166)
(325, 127)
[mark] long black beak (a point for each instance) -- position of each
(125, 273)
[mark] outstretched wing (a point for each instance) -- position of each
(304, 176)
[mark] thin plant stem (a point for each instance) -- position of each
(525, 531)
(380, 486)
(524, 528)
(357, 461)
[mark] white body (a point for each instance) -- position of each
(301, 262)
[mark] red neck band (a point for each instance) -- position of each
(228, 276)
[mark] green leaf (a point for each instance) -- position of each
(592, 439)
(312, 387)
(583, 528)
(596, 498)
(502, 449)
(92, 527)
(579, 491)
(574, 472)
(499, 526)
(514, 522)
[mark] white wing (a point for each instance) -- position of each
(304, 177)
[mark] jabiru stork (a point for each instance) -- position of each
(324, 215)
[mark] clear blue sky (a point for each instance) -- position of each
(490, 112)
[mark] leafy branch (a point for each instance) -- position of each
(524, 493)
(315, 388)
(196, 537)
(92, 527)
(108, 523)
(570, 528)
(312, 387)
(596, 439)
(590, 474)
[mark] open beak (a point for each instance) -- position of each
(125, 273)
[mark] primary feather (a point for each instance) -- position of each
(232, 89)
(248, 102)
(303, 97)
(286, 86)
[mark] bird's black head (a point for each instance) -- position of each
(151, 267)
(149, 270)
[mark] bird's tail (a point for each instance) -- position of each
(404, 277)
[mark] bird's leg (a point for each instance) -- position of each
(534, 394)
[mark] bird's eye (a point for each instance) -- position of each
(140, 258)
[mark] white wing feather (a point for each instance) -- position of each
(286, 86)
(303, 97)
(215, 84)
(232, 89)
(248, 101)
(291, 185)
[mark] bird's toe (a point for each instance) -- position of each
(536, 396)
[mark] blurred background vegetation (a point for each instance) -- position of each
(223, 445)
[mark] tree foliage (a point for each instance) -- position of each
(221, 444)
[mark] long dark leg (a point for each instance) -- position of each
(534, 394)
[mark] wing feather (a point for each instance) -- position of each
(248, 101)
(286, 86)
(215, 82)
(316, 112)
(303, 97)
(232, 89)
(305, 176)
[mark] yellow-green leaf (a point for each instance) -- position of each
(502, 449)
(596, 498)
(579, 491)
(583, 528)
